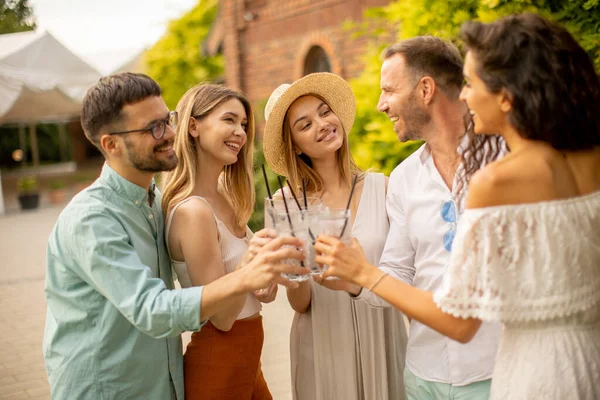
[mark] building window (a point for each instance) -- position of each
(316, 61)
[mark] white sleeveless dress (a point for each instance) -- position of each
(343, 349)
(535, 268)
(232, 248)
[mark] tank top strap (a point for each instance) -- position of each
(172, 213)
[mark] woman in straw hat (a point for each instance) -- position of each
(340, 349)
(208, 199)
(527, 249)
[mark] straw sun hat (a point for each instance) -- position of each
(330, 87)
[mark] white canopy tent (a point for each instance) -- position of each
(41, 81)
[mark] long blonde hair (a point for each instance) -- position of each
(237, 180)
(299, 166)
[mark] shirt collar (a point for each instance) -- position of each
(129, 190)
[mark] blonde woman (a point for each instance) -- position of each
(208, 199)
(340, 349)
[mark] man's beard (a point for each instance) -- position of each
(415, 118)
(149, 163)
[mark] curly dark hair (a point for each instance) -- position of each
(554, 89)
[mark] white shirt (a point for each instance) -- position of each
(414, 253)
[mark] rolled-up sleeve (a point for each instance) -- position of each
(105, 259)
(398, 254)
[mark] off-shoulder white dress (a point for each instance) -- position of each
(535, 268)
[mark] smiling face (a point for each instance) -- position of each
(221, 133)
(315, 130)
(489, 110)
(140, 150)
(399, 99)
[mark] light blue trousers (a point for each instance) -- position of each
(419, 389)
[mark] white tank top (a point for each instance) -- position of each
(232, 251)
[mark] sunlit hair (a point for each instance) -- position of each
(236, 181)
(299, 167)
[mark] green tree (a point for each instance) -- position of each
(15, 16)
(176, 61)
(376, 145)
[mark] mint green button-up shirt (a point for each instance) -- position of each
(114, 320)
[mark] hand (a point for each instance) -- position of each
(266, 266)
(346, 262)
(338, 284)
(266, 295)
(258, 241)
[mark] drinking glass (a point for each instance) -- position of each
(332, 221)
(296, 223)
(276, 205)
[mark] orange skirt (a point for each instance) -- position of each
(226, 365)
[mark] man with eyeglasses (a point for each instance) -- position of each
(114, 321)
(421, 79)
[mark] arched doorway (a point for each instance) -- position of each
(316, 60)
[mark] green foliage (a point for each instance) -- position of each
(176, 61)
(27, 184)
(15, 16)
(374, 143)
(377, 146)
(256, 222)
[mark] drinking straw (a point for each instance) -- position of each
(293, 194)
(304, 193)
(287, 211)
(348, 205)
(266, 182)
(312, 236)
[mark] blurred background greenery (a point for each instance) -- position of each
(177, 62)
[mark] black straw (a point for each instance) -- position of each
(348, 205)
(293, 194)
(304, 193)
(287, 211)
(312, 236)
(266, 182)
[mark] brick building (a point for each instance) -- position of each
(270, 42)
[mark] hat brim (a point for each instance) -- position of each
(330, 87)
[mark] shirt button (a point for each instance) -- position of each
(137, 202)
(150, 216)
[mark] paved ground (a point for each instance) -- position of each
(23, 239)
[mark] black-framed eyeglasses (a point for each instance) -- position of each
(158, 128)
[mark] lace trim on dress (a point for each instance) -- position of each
(526, 262)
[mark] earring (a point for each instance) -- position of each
(298, 151)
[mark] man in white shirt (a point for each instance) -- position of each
(421, 79)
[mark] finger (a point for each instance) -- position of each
(327, 239)
(278, 256)
(259, 243)
(287, 283)
(266, 233)
(273, 290)
(323, 259)
(282, 241)
(290, 269)
(322, 247)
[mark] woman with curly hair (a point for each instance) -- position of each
(527, 249)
